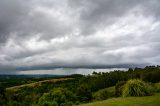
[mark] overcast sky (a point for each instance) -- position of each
(47, 34)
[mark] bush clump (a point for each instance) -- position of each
(104, 94)
(84, 93)
(46, 103)
(119, 88)
(157, 87)
(60, 96)
(137, 87)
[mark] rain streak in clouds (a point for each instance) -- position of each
(46, 34)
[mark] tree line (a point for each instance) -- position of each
(78, 89)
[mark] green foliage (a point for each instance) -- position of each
(119, 88)
(101, 95)
(46, 103)
(136, 87)
(2, 96)
(2, 100)
(54, 103)
(80, 87)
(28, 94)
(77, 103)
(94, 73)
(84, 93)
(104, 94)
(66, 104)
(157, 87)
(151, 74)
(58, 95)
(104, 80)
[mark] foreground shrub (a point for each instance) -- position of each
(46, 103)
(104, 94)
(136, 87)
(66, 104)
(77, 103)
(58, 95)
(84, 93)
(157, 87)
(119, 88)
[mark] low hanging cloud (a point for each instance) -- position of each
(43, 35)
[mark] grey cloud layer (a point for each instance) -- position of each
(48, 34)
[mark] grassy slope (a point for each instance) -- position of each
(15, 88)
(129, 101)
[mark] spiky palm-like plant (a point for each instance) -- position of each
(136, 87)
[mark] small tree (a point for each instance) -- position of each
(58, 95)
(94, 73)
(84, 93)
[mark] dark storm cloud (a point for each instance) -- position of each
(23, 19)
(97, 14)
(10, 11)
(47, 34)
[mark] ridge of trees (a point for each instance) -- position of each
(80, 88)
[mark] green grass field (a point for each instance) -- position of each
(129, 101)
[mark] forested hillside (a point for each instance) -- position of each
(78, 89)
